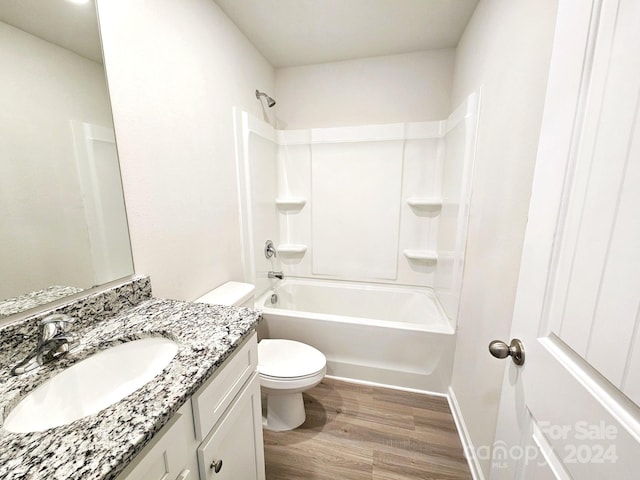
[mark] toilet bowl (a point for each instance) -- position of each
(286, 369)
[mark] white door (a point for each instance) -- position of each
(571, 411)
(100, 181)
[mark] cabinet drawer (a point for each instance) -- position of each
(212, 398)
(170, 454)
(234, 448)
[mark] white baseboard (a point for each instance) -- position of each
(467, 444)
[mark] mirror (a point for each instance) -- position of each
(63, 220)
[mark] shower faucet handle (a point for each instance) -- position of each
(270, 249)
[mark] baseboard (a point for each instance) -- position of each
(467, 444)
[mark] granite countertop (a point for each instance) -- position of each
(100, 446)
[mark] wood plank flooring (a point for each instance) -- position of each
(359, 432)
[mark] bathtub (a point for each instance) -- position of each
(389, 335)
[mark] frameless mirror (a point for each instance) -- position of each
(63, 221)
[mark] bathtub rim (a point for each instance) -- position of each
(445, 328)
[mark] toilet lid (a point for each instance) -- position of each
(288, 359)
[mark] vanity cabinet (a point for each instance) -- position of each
(171, 453)
(234, 450)
(217, 435)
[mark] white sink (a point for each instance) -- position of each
(91, 385)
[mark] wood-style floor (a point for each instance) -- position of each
(358, 432)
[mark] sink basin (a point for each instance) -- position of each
(91, 385)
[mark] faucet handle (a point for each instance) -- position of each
(54, 325)
(270, 250)
(57, 317)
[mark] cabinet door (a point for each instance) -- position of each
(214, 397)
(170, 454)
(234, 447)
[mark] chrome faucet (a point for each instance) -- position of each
(279, 275)
(54, 342)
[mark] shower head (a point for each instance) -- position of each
(270, 101)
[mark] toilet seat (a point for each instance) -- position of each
(275, 385)
(288, 360)
(291, 379)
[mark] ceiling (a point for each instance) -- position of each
(68, 25)
(286, 32)
(302, 32)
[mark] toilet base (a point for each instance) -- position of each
(284, 412)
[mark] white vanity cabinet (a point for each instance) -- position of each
(171, 453)
(218, 435)
(228, 419)
(233, 450)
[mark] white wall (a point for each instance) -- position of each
(399, 88)
(505, 50)
(175, 70)
(43, 87)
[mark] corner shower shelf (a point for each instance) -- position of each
(421, 255)
(424, 202)
(292, 249)
(291, 203)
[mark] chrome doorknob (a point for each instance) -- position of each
(515, 350)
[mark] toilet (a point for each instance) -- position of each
(286, 368)
(237, 294)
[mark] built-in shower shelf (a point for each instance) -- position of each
(424, 202)
(291, 203)
(421, 255)
(292, 249)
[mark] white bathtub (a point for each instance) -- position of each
(391, 335)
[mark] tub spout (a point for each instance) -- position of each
(278, 275)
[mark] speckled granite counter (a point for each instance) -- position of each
(100, 446)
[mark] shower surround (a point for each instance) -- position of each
(369, 205)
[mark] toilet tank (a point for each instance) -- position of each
(231, 293)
